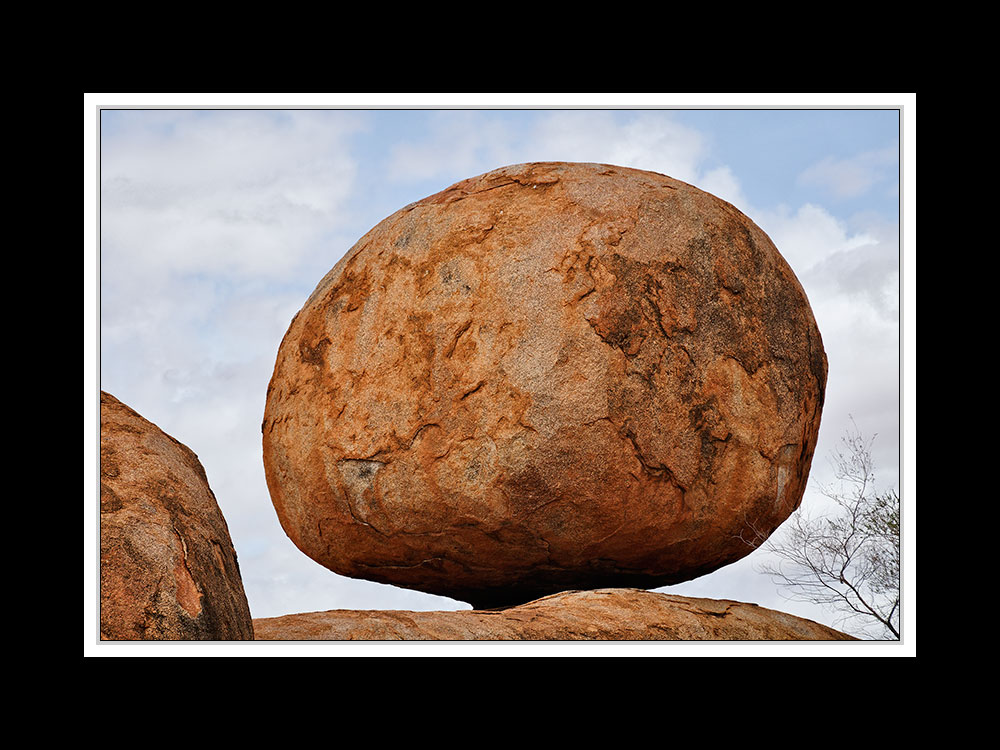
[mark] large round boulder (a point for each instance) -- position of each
(552, 376)
(168, 567)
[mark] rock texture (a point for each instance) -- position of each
(168, 567)
(552, 376)
(603, 614)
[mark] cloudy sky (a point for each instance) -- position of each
(216, 223)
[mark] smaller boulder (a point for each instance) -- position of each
(168, 567)
(613, 614)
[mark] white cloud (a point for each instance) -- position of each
(464, 144)
(722, 183)
(809, 235)
(644, 140)
(853, 176)
(228, 192)
(203, 216)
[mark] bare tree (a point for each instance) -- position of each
(846, 560)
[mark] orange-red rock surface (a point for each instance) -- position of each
(552, 376)
(168, 567)
(604, 614)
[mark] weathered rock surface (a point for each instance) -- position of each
(603, 614)
(168, 567)
(552, 376)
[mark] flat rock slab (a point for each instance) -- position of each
(168, 567)
(601, 615)
(549, 377)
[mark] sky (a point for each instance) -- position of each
(208, 222)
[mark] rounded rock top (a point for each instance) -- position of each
(551, 376)
(169, 571)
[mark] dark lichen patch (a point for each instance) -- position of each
(700, 249)
(358, 477)
(351, 290)
(527, 491)
(359, 471)
(169, 493)
(109, 463)
(703, 414)
(711, 445)
(314, 354)
(818, 367)
(452, 278)
(110, 502)
(628, 312)
(472, 471)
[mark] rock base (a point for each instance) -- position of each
(612, 614)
